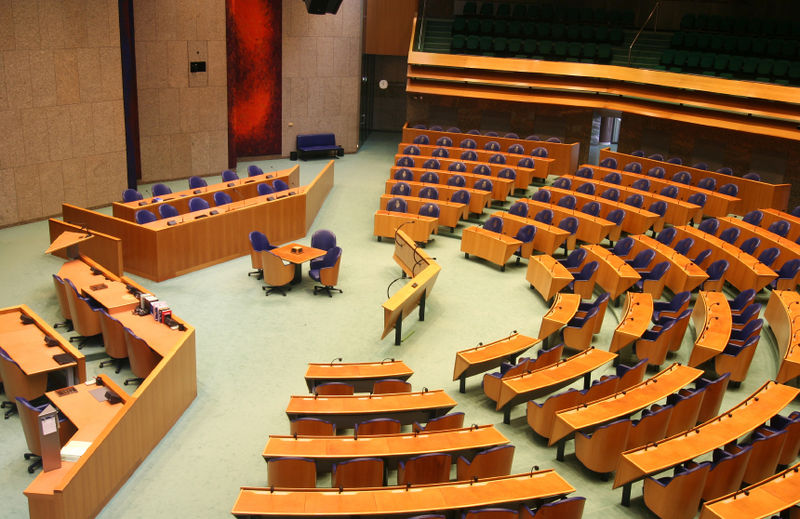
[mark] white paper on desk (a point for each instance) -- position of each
(74, 449)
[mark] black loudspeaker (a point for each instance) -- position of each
(322, 6)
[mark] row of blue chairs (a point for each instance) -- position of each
(682, 177)
(195, 182)
(634, 200)
(455, 129)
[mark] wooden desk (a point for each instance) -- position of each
(478, 199)
(308, 253)
(91, 280)
(683, 274)
(484, 357)
(753, 194)
(360, 374)
(450, 213)
(547, 275)
(591, 229)
(759, 407)
(237, 189)
(636, 221)
(160, 253)
(548, 238)
(634, 321)
(766, 498)
(423, 271)
(712, 321)
(561, 311)
(623, 403)
(383, 501)
(534, 384)
(613, 273)
(564, 156)
(105, 249)
(773, 215)
(788, 249)
(347, 410)
(524, 176)
(419, 228)
(783, 315)
(501, 187)
(744, 271)
(678, 212)
(717, 204)
(491, 246)
(25, 344)
(326, 450)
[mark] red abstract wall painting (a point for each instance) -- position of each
(254, 77)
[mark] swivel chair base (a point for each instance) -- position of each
(326, 289)
(12, 409)
(66, 324)
(117, 362)
(82, 340)
(259, 274)
(134, 380)
(36, 464)
(281, 290)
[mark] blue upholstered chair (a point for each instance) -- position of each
(667, 310)
(322, 239)
(397, 205)
(264, 189)
(258, 243)
(574, 260)
(752, 176)
(400, 189)
(468, 143)
(750, 245)
(161, 190)
(730, 235)
(642, 260)
(675, 160)
(779, 227)
(709, 226)
(470, 155)
(709, 183)
(667, 235)
(429, 192)
(656, 156)
(482, 169)
(145, 216)
(429, 209)
(483, 184)
(642, 184)
(222, 198)
(609, 162)
(254, 171)
(525, 162)
(684, 245)
(421, 139)
(697, 199)
(658, 207)
(430, 177)
(633, 167)
(516, 149)
(542, 195)
(669, 191)
(444, 141)
(769, 255)
(716, 272)
(229, 176)
(701, 165)
(519, 209)
(786, 274)
(404, 174)
(167, 211)
(635, 200)
(131, 195)
(441, 153)
(198, 204)
(326, 271)
(567, 202)
(457, 181)
(729, 189)
(613, 178)
(587, 188)
(544, 216)
(539, 152)
(492, 146)
(754, 217)
(591, 208)
(497, 158)
(525, 234)
(279, 185)
(656, 172)
(460, 197)
(682, 177)
(405, 162)
(494, 224)
(611, 193)
(562, 183)
(585, 172)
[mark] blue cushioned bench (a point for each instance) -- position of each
(315, 143)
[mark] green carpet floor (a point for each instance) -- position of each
(252, 350)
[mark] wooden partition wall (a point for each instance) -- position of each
(190, 245)
(104, 249)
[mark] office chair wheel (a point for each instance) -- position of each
(503, 268)
(380, 239)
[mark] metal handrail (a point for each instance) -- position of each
(636, 38)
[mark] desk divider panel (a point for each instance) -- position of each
(316, 193)
(106, 250)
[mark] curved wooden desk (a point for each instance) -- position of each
(678, 212)
(450, 213)
(683, 274)
(634, 321)
(478, 199)
(534, 384)
(360, 374)
(326, 450)
(347, 410)
(623, 403)
(613, 273)
(547, 275)
(564, 156)
(764, 403)
(237, 189)
(712, 322)
(766, 498)
(419, 228)
(591, 229)
(636, 220)
(561, 311)
(25, 344)
(753, 194)
(788, 249)
(717, 204)
(80, 489)
(524, 176)
(548, 238)
(491, 246)
(484, 357)
(783, 315)
(382, 501)
(744, 270)
(501, 187)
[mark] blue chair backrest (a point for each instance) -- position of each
(544, 216)
(780, 227)
(469, 155)
(483, 184)
(519, 209)
(675, 160)
(611, 193)
(729, 189)
(441, 152)
(658, 207)
(259, 241)
(397, 205)
(167, 211)
(403, 174)
(421, 139)
(542, 195)
(749, 245)
(457, 166)
(401, 189)
(516, 149)
(623, 246)
(697, 199)
(609, 162)
(591, 208)
(429, 209)
(460, 197)
(145, 216)
(429, 192)
(567, 201)
(635, 200)
(656, 172)
(161, 189)
(323, 239)
(752, 176)
(641, 184)
(229, 176)
(616, 216)
(667, 235)
(131, 195)
(197, 204)
(769, 255)
(570, 224)
(707, 183)
(587, 188)
(754, 217)
(717, 269)
(709, 226)
(469, 144)
(637, 153)
(444, 141)
(553, 139)
(587, 271)
(526, 233)
(682, 177)
(633, 167)
(613, 177)
(656, 156)
(279, 185)
(430, 177)
(525, 162)
(539, 152)
(405, 162)
(497, 158)
(562, 183)
(431, 164)
(482, 169)
(221, 198)
(585, 172)
(670, 191)
(789, 269)
(492, 146)
(456, 181)
(494, 224)
(264, 189)
(507, 173)
(701, 165)
(725, 170)
(574, 259)
(684, 245)
(411, 150)
(253, 171)
(197, 182)
(533, 138)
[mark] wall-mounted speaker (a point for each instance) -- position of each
(322, 6)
